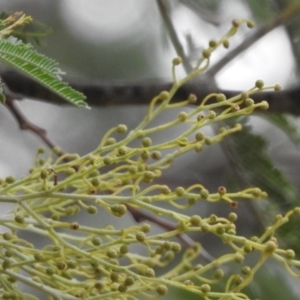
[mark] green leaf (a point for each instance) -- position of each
(259, 169)
(283, 123)
(44, 70)
(255, 168)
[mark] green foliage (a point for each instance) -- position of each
(25, 58)
(269, 178)
(286, 125)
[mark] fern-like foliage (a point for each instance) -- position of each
(44, 70)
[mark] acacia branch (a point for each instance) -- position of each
(101, 94)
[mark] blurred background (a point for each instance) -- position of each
(117, 40)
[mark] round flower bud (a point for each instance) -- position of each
(264, 105)
(7, 236)
(107, 160)
(149, 272)
(167, 245)
(213, 43)
(140, 236)
(50, 271)
(221, 97)
(148, 176)
(238, 279)
(159, 250)
(122, 288)
(165, 190)
(206, 53)
(96, 241)
(146, 142)
(236, 23)
(235, 107)
(110, 141)
(277, 88)
(179, 191)
(290, 254)
(232, 217)
(250, 24)
(222, 190)
(226, 43)
(95, 182)
(19, 219)
(146, 227)
(118, 210)
(176, 247)
(211, 115)
(200, 117)
(220, 230)
(195, 220)
(208, 141)
(129, 281)
(132, 169)
(270, 247)
(61, 265)
(124, 249)
(44, 174)
(204, 193)
(238, 258)
(114, 277)
(247, 248)
(246, 270)
(99, 285)
(92, 209)
(192, 98)
(72, 264)
(122, 150)
(74, 225)
(296, 210)
(219, 273)
(249, 102)
(39, 257)
(177, 61)
(182, 116)
(162, 289)
(200, 136)
(164, 95)
(10, 179)
(205, 288)
(112, 253)
(8, 253)
(198, 147)
(145, 155)
(156, 155)
(121, 128)
(6, 263)
(259, 84)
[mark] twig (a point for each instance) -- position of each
(140, 216)
(287, 15)
(25, 124)
(164, 11)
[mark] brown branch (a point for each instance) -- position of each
(101, 94)
(25, 124)
(140, 216)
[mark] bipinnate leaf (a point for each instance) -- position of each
(42, 69)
